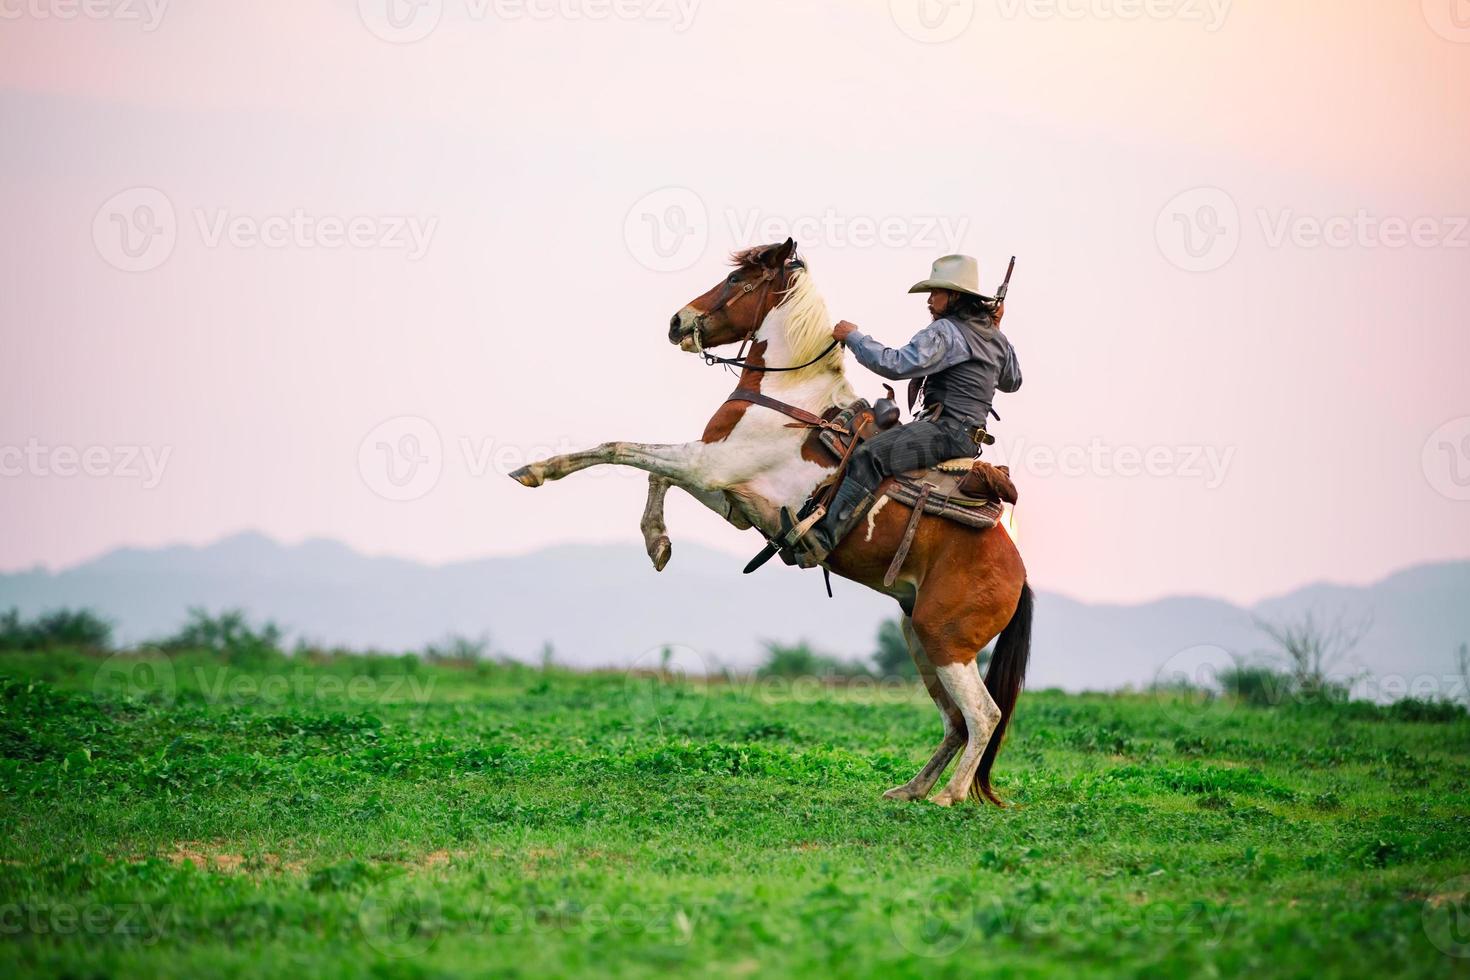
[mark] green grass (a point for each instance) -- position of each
(387, 817)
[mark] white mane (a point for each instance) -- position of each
(808, 333)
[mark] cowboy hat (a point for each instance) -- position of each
(959, 273)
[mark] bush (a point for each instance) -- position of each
(892, 657)
(801, 661)
(456, 649)
(78, 629)
(1257, 685)
(228, 635)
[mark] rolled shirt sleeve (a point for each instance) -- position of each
(934, 348)
(1010, 372)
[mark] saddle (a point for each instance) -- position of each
(966, 491)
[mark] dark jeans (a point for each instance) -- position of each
(898, 450)
(907, 447)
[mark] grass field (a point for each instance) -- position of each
(388, 817)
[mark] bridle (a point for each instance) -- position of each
(728, 295)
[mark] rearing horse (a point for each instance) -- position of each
(959, 588)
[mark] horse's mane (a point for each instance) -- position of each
(808, 328)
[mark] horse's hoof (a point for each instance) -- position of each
(901, 793)
(527, 476)
(942, 799)
(662, 551)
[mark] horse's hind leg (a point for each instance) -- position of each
(962, 682)
(954, 724)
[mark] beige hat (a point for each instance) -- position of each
(960, 273)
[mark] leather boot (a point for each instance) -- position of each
(849, 507)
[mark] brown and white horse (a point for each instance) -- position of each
(959, 588)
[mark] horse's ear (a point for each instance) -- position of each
(781, 254)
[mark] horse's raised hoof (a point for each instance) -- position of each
(661, 552)
(528, 476)
(902, 794)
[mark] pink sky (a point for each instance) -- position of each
(1326, 381)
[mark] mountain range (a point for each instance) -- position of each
(604, 606)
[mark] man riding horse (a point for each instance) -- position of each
(958, 361)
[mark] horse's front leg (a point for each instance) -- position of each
(656, 535)
(679, 464)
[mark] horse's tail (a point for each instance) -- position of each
(1004, 679)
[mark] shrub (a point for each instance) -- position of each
(457, 649)
(229, 635)
(1257, 684)
(892, 657)
(801, 661)
(79, 629)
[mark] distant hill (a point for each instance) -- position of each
(605, 606)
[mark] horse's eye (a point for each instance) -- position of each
(734, 278)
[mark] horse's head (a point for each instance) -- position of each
(734, 309)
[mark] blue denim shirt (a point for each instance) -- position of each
(938, 346)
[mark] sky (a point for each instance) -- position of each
(333, 269)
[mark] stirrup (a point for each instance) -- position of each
(797, 540)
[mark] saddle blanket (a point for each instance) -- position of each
(945, 499)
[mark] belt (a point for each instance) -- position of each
(974, 431)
